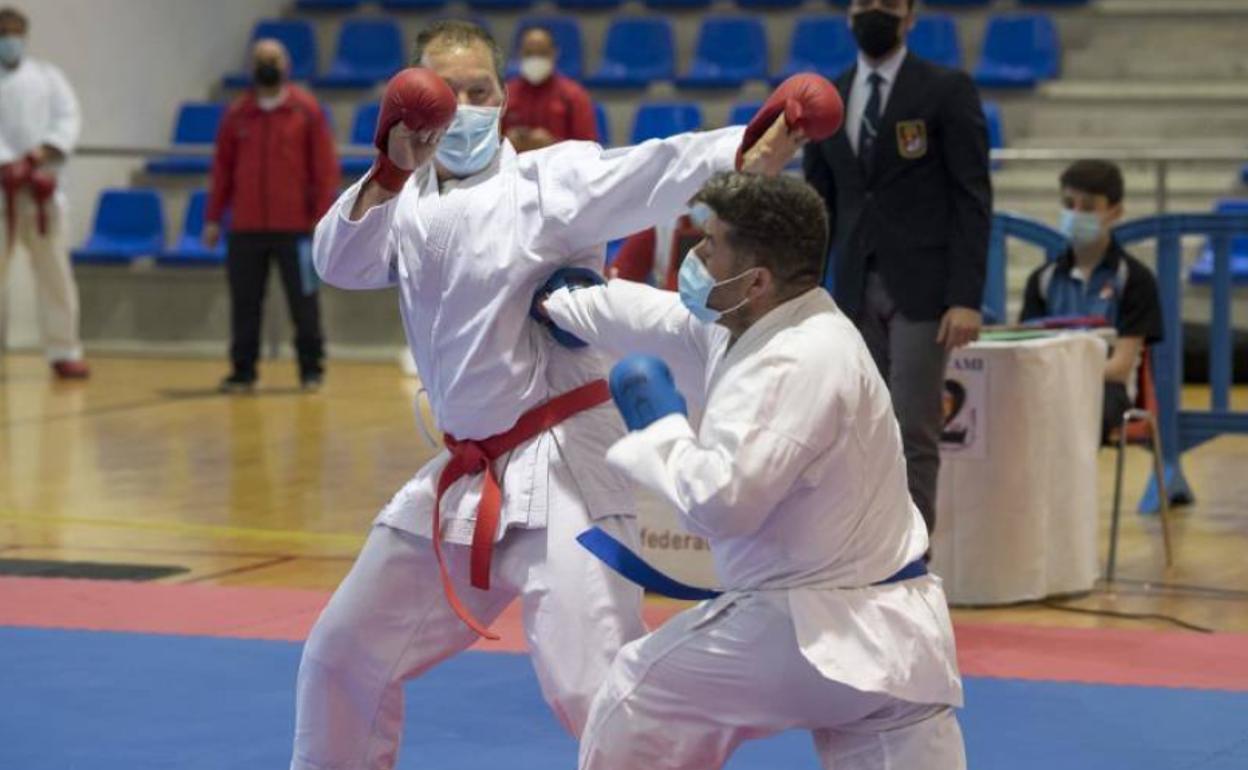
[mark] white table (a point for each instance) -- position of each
(1016, 508)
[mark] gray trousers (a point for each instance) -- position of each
(913, 365)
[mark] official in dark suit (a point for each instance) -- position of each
(910, 205)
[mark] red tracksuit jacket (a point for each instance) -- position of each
(276, 171)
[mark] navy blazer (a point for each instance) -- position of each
(924, 214)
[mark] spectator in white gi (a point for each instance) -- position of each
(39, 125)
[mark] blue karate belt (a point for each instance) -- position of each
(623, 560)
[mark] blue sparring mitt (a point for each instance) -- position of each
(573, 278)
(644, 391)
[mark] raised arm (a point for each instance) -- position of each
(357, 253)
(590, 195)
(354, 245)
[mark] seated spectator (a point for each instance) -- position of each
(543, 106)
(1097, 277)
(653, 256)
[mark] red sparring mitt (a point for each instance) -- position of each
(42, 188)
(809, 102)
(13, 177)
(418, 99)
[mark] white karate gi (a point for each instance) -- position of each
(37, 107)
(467, 260)
(796, 477)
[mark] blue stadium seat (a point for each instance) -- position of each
(128, 224)
(821, 44)
(189, 251)
(603, 124)
(196, 124)
(1202, 270)
(659, 120)
(412, 5)
(327, 5)
(501, 5)
(742, 112)
(935, 38)
(1019, 51)
(588, 5)
(363, 125)
(677, 5)
(300, 41)
(764, 5)
(567, 33)
(369, 51)
(637, 51)
(729, 52)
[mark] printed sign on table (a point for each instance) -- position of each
(965, 406)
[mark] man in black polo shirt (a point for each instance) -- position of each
(1096, 277)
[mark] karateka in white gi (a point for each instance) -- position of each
(468, 230)
(795, 475)
(39, 125)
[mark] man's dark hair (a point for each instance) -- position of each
(779, 223)
(9, 14)
(1095, 177)
(455, 32)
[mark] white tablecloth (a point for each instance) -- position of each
(1016, 509)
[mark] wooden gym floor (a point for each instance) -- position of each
(147, 464)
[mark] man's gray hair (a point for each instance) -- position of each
(456, 32)
(779, 223)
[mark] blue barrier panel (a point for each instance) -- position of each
(1181, 429)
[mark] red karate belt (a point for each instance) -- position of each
(468, 458)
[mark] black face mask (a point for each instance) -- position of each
(267, 74)
(876, 31)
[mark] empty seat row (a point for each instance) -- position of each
(196, 125)
(130, 224)
(1019, 50)
(500, 5)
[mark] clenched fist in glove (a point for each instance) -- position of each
(804, 108)
(416, 108)
(644, 391)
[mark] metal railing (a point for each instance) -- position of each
(1162, 160)
(1181, 429)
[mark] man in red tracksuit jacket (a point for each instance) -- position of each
(276, 172)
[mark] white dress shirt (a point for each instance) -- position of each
(467, 258)
(861, 91)
(795, 475)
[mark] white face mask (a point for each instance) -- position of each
(11, 49)
(1081, 228)
(696, 283)
(536, 69)
(471, 141)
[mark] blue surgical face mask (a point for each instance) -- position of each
(471, 141)
(11, 49)
(1081, 228)
(696, 284)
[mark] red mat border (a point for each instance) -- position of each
(1091, 656)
